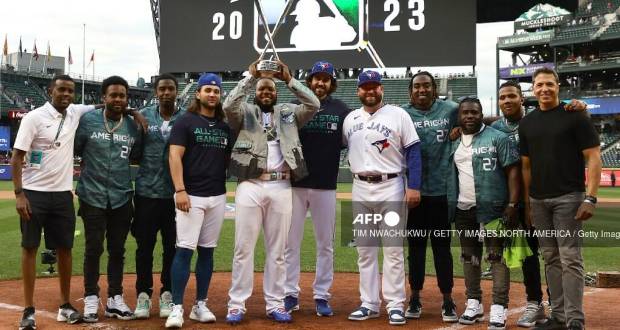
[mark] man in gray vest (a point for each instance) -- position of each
(265, 157)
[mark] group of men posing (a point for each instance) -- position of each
(286, 158)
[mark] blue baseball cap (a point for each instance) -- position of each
(369, 77)
(324, 67)
(209, 79)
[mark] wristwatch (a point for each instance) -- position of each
(18, 191)
(590, 199)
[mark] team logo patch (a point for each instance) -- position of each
(381, 145)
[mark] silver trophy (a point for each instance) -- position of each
(269, 65)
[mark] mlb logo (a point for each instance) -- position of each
(332, 126)
(312, 25)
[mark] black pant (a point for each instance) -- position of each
(153, 215)
(113, 224)
(531, 265)
(431, 214)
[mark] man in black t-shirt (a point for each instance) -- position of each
(321, 140)
(200, 146)
(555, 146)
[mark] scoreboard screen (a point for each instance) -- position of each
(220, 35)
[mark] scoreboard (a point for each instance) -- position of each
(220, 35)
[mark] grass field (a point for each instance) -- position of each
(345, 259)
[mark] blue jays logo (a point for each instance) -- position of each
(381, 145)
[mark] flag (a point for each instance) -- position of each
(20, 47)
(5, 49)
(35, 53)
(70, 57)
(92, 58)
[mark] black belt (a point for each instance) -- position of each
(376, 178)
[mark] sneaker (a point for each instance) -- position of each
(27, 322)
(234, 316)
(91, 309)
(576, 325)
(291, 303)
(497, 318)
(116, 307)
(474, 312)
(362, 314)
(551, 324)
(534, 313)
(397, 317)
(175, 319)
(448, 311)
(165, 304)
(143, 306)
(323, 308)
(201, 313)
(414, 311)
(66, 313)
(280, 315)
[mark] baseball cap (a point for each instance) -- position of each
(369, 77)
(322, 66)
(209, 79)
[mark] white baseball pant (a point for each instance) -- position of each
(202, 224)
(267, 205)
(393, 282)
(322, 205)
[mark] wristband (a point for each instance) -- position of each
(180, 190)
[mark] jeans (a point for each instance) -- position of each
(562, 255)
(113, 226)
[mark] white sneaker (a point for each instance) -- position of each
(497, 318)
(474, 312)
(91, 308)
(175, 320)
(165, 304)
(116, 307)
(201, 313)
(534, 313)
(143, 306)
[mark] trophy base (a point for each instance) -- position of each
(267, 67)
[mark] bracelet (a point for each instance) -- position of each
(18, 191)
(178, 191)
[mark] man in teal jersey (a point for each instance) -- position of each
(483, 185)
(154, 200)
(433, 118)
(106, 140)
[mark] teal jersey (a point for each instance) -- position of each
(508, 127)
(433, 127)
(492, 153)
(153, 179)
(105, 179)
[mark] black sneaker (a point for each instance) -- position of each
(448, 311)
(551, 324)
(414, 311)
(576, 325)
(66, 313)
(27, 322)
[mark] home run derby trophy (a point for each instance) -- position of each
(269, 66)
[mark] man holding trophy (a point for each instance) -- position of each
(265, 157)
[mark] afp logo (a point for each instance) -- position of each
(390, 218)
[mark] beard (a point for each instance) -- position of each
(209, 106)
(266, 107)
(378, 99)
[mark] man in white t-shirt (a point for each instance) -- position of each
(43, 182)
(383, 144)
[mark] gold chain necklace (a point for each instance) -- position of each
(105, 123)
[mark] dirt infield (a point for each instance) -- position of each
(600, 306)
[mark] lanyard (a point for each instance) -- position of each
(62, 122)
